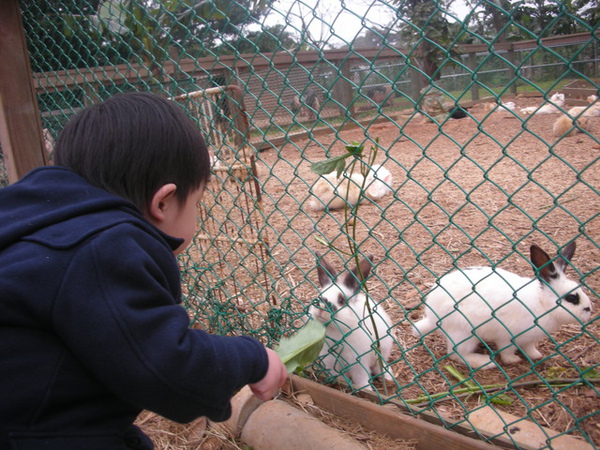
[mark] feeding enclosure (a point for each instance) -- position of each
(458, 105)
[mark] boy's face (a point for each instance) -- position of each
(183, 219)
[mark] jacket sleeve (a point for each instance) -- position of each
(118, 312)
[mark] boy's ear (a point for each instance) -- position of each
(162, 200)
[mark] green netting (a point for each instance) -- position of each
(278, 86)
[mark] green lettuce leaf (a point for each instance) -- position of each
(303, 347)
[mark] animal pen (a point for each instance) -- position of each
(472, 191)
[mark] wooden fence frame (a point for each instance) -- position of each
(20, 119)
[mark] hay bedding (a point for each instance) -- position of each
(168, 435)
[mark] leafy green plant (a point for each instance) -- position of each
(303, 347)
(500, 399)
(499, 393)
(360, 163)
(355, 160)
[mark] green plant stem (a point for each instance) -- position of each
(350, 217)
(463, 392)
(501, 399)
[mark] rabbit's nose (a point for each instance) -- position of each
(319, 314)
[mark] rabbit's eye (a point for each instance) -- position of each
(323, 303)
(572, 298)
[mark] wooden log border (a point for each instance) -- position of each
(397, 425)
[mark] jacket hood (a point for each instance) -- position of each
(38, 206)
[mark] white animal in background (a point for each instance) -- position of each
(528, 110)
(353, 330)
(331, 192)
(379, 182)
(577, 118)
(215, 162)
(552, 107)
(504, 107)
(568, 126)
(498, 106)
(484, 304)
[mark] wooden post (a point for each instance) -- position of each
(90, 95)
(472, 63)
(511, 57)
(417, 83)
(21, 134)
(343, 88)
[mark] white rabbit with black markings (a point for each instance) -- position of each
(496, 306)
(351, 342)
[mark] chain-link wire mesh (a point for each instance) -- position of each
(458, 105)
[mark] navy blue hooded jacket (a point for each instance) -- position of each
(91, 326)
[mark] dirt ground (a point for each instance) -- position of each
(472, 192)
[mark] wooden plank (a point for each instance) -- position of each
(315, 132)
(531, 44)
(20, 124)
(383, 420)
(74, 78)
(523, 431)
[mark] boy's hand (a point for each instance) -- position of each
(276, 375)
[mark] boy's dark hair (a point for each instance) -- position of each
(134, 143)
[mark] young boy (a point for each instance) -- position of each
(91, 327)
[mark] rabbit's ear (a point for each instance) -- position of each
(565, 255)
(542, 261)
(355, 275)
(326, 273)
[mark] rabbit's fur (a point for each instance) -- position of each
(351, 342)
(379, 182)
(500, 307)
(557, 100)
(577, 118)
(333, 192)
(508, 106)
(566, 125)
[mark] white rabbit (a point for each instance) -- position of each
(351, 341)
(566, 125)
(557, 99)
(379, 182)
(504, 107)
(577, 118)
(331, 192)
(500, 307)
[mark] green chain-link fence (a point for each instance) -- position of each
(278, 86)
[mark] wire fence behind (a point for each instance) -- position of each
(471, 191)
